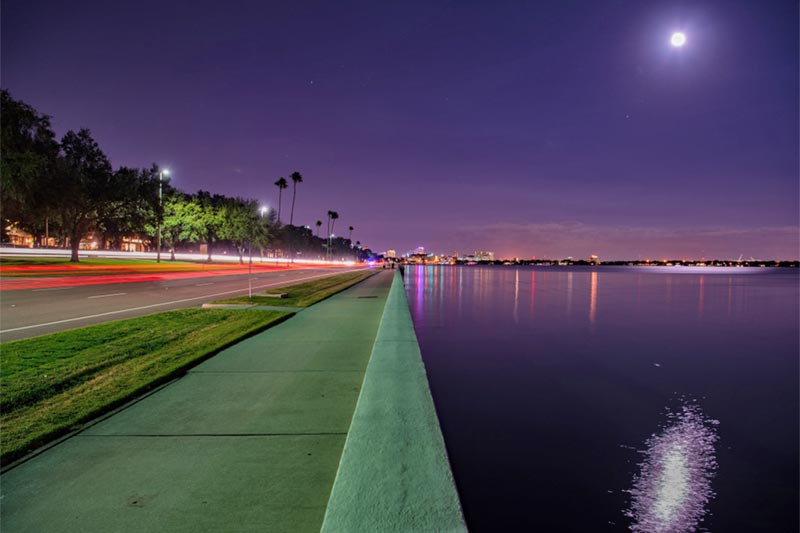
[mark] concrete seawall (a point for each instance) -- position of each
(394, 474)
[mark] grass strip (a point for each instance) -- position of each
(53, 383)
(304, 294)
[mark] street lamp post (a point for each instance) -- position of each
(161, 175)
(250, 271)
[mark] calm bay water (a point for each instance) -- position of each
(549, 381)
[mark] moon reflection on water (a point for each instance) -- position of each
(672, 490)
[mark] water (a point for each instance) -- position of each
(561, 389)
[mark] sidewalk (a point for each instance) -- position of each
(248, 440)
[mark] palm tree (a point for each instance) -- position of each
(296, 178)
(281, 184)
(328, 239)
(319, 224)
(332, 216)
(350, 235)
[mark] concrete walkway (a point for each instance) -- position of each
(249, 440)
(394, 473)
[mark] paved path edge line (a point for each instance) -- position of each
(394, 473)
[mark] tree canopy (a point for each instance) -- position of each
(66, 191)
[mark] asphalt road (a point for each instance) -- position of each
(28, 313)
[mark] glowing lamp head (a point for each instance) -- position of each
(678, 39)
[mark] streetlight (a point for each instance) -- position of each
(264, 210)
(161, 174)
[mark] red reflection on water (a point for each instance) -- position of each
(420, 292)
(593, 298)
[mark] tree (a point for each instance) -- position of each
(328, 236)
(211, 219)
(263, 230)
(182, 221)
(28, 159)
(83, 185)
(281, 184)
(134, 209)
(350, 235)
(318, 224)
(296, 178)
(332, 216)
(240, 220)
(298, 239)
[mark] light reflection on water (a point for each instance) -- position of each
(546, 379)
(673, 487)
(581, 290)
(593, 300)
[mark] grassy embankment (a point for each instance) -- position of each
(303, 294)
(54, 383)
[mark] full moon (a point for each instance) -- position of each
(678, 39)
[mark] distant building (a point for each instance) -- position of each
(484, 256)
(391, 254)
(19, 237)
(594, 260)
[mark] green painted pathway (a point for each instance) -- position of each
(249, 440)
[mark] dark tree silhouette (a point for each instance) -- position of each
(28, 158)
(332, 216)
(296, 178)
(281, 184)
(84, 185)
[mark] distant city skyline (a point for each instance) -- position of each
(543, 129)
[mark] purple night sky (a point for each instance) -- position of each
(544, 129)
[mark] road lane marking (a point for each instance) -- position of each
(87, 317)
(52, 289)
(107, 295)
(203, 284)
